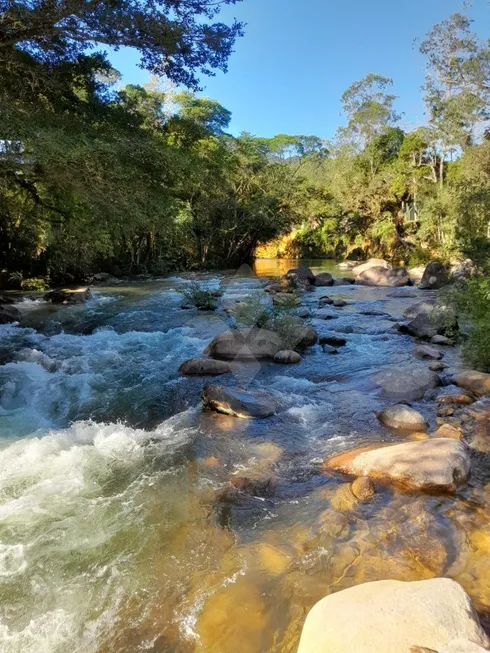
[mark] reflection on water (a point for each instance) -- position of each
(275, 267)
(119, 529)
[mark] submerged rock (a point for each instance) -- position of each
(433, 464)
(409, 384)
(424, 351)
(333, 341)
(390, 616)
(324, 279)
(204, 366)
(378, 276)
(287, 357)
(238, 402)
(324, 301)
(78, 296)
(434, 277)
(339, 303)
(362, 488)
(476, 382)
(244, 344)
(448, 431)
(403, 417)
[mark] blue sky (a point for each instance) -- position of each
(298, 56)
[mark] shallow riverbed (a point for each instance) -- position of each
(111, 540)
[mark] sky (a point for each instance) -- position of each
(297, 57)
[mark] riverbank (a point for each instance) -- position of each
(115, 530)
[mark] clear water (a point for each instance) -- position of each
(111, 536)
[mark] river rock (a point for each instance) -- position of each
(448, 431)
(325, 301)
(285, 299)
(403, 417)
(437, 366)
(378, 276)
(391, 616)
(424, 351)
(324, 279)
(9, 313)
(78, 296)
(347, 265)
(303, 272)
(244, 344)
(424, 307)
(371, 263)
(333, 341)
(434, 277)
(273, 288)
(100, 278)
(203, 367)
(344, 281)
(442, 340)
(287, 357)
(433, 464)
(339, 303)
(238, 402)
(410, 384)
(303, 313)
(301, 278)
(306, 336)
(476, 382)
(462, 269)
(362, 488)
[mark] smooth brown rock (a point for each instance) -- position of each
(390, 616)
(456, 399)
(448, 431)
(363, 488)
(404, 418)
(238, 402)
(287, 357)
(204, 366)
(433, 464)
(437, 366)
(244, 344)
(476, 382)
(78, 296)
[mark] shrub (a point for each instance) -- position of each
(471, 298)
(38, 284)
(200, 297)
(254, 311)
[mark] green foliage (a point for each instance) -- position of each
(200, 297)
(472, 300)
(254, 311)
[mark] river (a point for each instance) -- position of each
(111, 538)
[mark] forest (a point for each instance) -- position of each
(96, 176)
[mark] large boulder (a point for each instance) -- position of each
(63, 296)
(434, 277)
(9, 313)
(440, 321)
(324, 279)
(378, 276)
(476, 382)
(371, 263)
(434, 464)
(404, 418)
(301, 279)
(408, 384)
(244, 344)
(391, 616)
(306, 336)
(303, 272)
(204, 367)
(238, 402)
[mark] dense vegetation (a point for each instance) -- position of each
(94, 176)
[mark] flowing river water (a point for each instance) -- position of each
(111, 537)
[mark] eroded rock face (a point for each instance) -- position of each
(390, 616)
(203, 367)
(434, 277)
(244, 344)
(371, 263)
(238, 402)
(324, 279)
(78, 296)
(433, 464)
(476, 382)
(9, 313)
(287, 357)
(404, 418)
(379, 276)
(409, 384)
